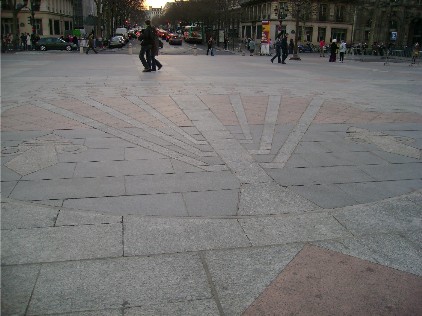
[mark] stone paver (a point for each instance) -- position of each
(209, 187)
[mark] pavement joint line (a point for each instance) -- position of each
(214, 292)
(121, 134)
(236, 102)
(271, 116)
(149, 109)
(141, 125)
(298, 132)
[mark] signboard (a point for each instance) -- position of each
(265, 38)
(393, 36)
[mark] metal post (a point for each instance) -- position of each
(195, 50)
(130, 48)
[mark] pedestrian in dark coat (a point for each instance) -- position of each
(277, 50)
(147, 43)
(284, 49)
(91, 44)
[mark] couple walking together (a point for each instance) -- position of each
(281, 49)
(149, 48)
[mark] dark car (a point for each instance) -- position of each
(47, 43)
(175, 40)
(116, 42)
(305, 49)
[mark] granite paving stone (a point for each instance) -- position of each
(204, 307)
(391, 250)
(367, 192)
(169, 204)
(57, 171)
(270, 230)
(68, 188)
(115, 283)
(122, 168)
(49, 244)
(325, 195)
(212, 203)
(75, 218)
(394, 171)
(181, 182)
(271, 199)
(319, 175)
(7, 188)
(9, 175)
(147, 236)
(17, 283)
(94, 154)
(240, 275)
(323, 282)
(15, 214)
(136, 153)
(391, 215)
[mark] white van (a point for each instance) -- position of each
(121, 31)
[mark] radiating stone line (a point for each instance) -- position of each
(143, 126)
(121, 134)
(270, 122)
(236, 157)
(153, 112)
(296, 135)
(236, 102)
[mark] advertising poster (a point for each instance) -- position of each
(265, 39)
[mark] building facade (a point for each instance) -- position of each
(369, 21)
(51, 17)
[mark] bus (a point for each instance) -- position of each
(192, 34)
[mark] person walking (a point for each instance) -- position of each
(415, 54)
(91, 44)
(321, 48)
(75, 40)
(28, 41)
(251, 46)
(155, 64)
(147, 42)
(277, 51)
(333, 51)
(342, 50)
(210, 47)
(284, 49)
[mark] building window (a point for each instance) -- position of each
(38, 27)
(340, 13)
(323, 10)
(339, 34)
(6, 26)
(367, 35)
(50, 24)
(56, 27)
(322, 32)
(308, 34)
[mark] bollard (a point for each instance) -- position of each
(195, 52)
(81, 49)
(130, 48)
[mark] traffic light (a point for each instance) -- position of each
(29, 20)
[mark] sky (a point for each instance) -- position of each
(157, 3)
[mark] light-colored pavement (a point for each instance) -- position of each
(216, 186)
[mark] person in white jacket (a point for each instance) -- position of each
(342, 50)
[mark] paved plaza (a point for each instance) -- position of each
(222, 185)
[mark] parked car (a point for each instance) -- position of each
(47, 43)
(116, 42)
(305, 48)
(175, 40)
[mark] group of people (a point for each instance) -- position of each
(335, 48)
(149, 48)
(281, 49)
(25, 41)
